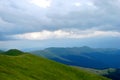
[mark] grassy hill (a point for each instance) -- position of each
(16, 65)
(13, 52)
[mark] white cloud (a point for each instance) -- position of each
(42, 3)
(62, 34)
(27, 16)
(77, 4)
(91, 5)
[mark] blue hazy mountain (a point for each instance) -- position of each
(83, 56)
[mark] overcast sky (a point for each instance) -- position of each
(59, 23)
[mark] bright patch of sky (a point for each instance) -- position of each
(42, 3)
(61, 34)
(77, 4)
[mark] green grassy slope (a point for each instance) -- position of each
(30, 67)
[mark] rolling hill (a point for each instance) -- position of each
(97, 58)
(17, 65)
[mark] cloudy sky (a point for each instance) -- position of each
(59, 23)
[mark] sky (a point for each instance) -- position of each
(28, 24)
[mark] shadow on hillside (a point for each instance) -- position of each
(114, 75)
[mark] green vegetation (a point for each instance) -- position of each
(17, 65)
(14, 52)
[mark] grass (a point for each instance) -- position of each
(30, 67)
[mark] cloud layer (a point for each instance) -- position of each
(59, 19)
(19, 16)
(61, 34)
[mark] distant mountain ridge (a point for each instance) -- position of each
(1, 51)
(98, 58)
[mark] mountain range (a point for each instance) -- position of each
(97, 58)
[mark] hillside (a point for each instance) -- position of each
(26, 66)
(98, 58)
(111, 73)
(1, 51)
